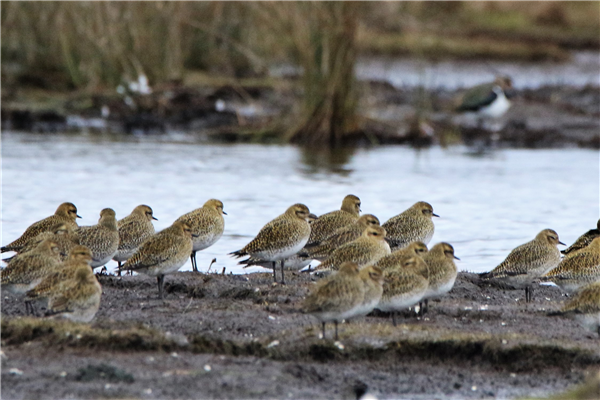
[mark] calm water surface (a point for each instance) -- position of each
(488, 205)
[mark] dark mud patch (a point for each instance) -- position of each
(479, 341)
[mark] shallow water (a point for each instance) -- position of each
(488, 205)
(583, 69)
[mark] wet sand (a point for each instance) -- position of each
(241, 336)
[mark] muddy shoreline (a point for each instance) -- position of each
(240, 336)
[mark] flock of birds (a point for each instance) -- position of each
(365, 265)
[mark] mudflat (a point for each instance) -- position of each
(241, 336)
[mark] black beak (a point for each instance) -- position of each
(78, 216)
(456, 258)
(224, 212)
(559, 242)
(435, 215)
(195, 235)
(156, 219)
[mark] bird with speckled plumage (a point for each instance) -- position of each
(336, 297)
(328, 223)
(162, 254)
(577, 270)
(279, 239)
(65, 214)
(528, 262)
(583, 240)
(372, 278)
(78, 298)
(26, 270)
(134, 229)
(208, 224)
(365, 250)
(412, 225)
(340, 237)
(102, 239)
(62, 235)
(584, 307)
(404, 284)
(78, 256)
(441, 270)
(414, 249)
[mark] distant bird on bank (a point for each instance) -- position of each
(163, 253)
(340, 237)
(577, 269)
(208, 224)
(78, 298)
(412, 225)
(336, 297)
(134, 229)
(489, 99)
(584, 307)
(65, 214)
(528, 262)
(366, 250)
(279, 239)
(583, 240)
(327, 223)
(102, 239)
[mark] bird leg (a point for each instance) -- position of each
(160, 279)
(394, 318)
(426, 302)
(528, 293)
(336, 330)
(323, 329)
(194, 262)
(282, 277)
(274, 271)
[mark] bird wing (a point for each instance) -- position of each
(478, 97)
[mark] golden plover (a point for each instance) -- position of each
(441, 269)
(326, 224)
(365, 250)
(163, 253)
(583, 240)
(412, 225)
(281, 238)
(78, 298)
(336, 297)
(207, 223)
(528, 262)
(134, 229)
(66, 214)
(578, 269)
(102, 239)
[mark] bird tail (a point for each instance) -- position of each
(238, 254)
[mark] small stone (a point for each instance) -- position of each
(174, 355)
(148, 391)
(271, 317)
(474, 388)
(504, 341)
(207, 368)
(15, 371)
(273, 344)
(63, 374)
(339, 345)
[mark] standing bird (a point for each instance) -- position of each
(489, 99)
(78, 298)
(207, 223)
(163, 253)
(372, 278)
(578, 269)
(365, 250)
(404, 284)
(336, 297)
(292, 263)
(584, 307)
(340, 237)
(528, 262)
(63, 237)
(326, 224)
(102, 239)
(441, 269)
(583, 240)
(79, 256)
(281, 238)
(134, 229)
(66, 214)
(412, 225)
